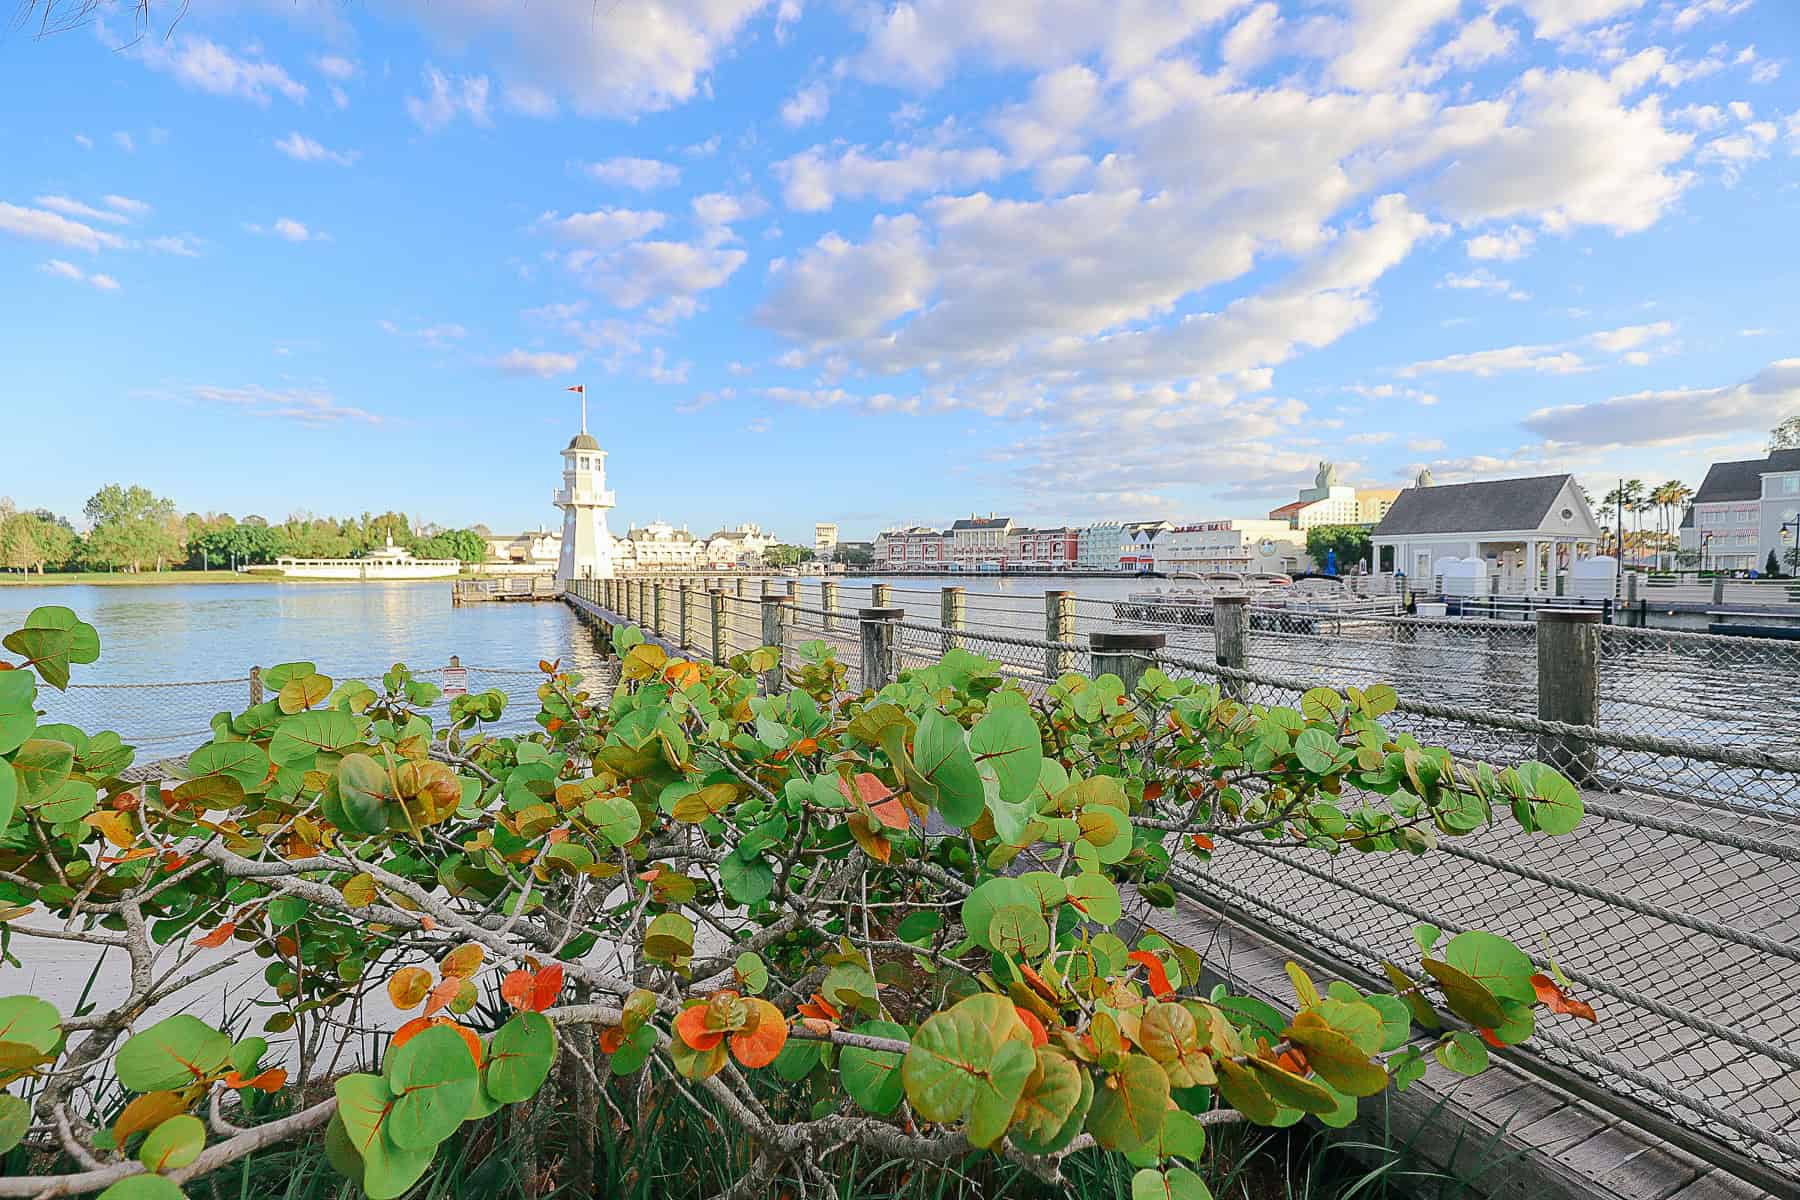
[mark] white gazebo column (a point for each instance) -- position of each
(1531, 567)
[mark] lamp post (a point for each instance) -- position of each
(1788, 540)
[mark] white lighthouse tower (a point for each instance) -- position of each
(587, 551)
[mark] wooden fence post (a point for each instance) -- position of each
(1568, 644)
(1127, 655)
(828, 602)
(881, 595)
(659, 610)
(1059, 626)
(256, 688)
(681, 607)
(878, 631)
(953, 615)
(1231, 640)
(774, 622)
(716, 597)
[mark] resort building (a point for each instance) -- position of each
(914, 548)
(1329, 502)
(1246, 546)
(660, 546)
(1742, 512)
(978, 543)
(1137, 544)
(537, 549)
(825, 539)
(1521, 533)
(1099, 546)
(742, 546)
(1056, 549)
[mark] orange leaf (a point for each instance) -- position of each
(426, 923)
(1039, 1035)
(443, 993)
(1556, 1000)
(1038, 983)
(410, 1030)
(1202, 842)
(1159, 978)
(408, 987)
(418, 1025)
(1293, 1061)
(691, 1028)
(217, 937)
(515, 989)
(546, 987)
(1487, 1035)
(806, 746)
(892, 813)
(1153, 791)
(759, 1043)
(553, 724)
(611, 1038)
(869, 789)
(820, 1009)
(268, 1082)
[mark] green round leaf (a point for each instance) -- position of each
(1055, 1099)
(1495, 963)
(177, 1142)
(964, 1062)
(1006, 741)
(433, 1081)
(143, 1187)
(365, 1107)
(942, 769)
(1095, 896)
(1176, 1183)
(980, 905)
(1018, 931)
(173, 1053)
(519, 1057)
(18, 709)
(1128, 1111)
(614, 818)
(15, 1119)
(31, 1021)
(872, 1077)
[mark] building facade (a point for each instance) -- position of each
(660, 546)
(1330, 502)
(1521, 533)
(977, 543)
(1742, 512)
(914, 548)
(741, 546)
(533, 548)
(1246, 546)
(825, 539)
(1099, 546)
(1056, 549)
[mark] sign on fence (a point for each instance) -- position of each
(456, 680)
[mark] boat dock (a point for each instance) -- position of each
(503, 588)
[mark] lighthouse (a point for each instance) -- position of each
(586, 544)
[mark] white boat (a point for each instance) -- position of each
(391, 562)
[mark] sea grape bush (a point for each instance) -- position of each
(921, 920)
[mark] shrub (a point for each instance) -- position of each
(894, 921)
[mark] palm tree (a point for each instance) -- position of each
(1668, 497)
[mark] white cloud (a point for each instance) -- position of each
(1558, 18)
(1504, 245)
(639, 174)
(1481, 40)
(301, 148)
(602, 227)
(336, 66)
(1700, 10)
(124, 141)
(185, 245)
(717, 210)
(758, 425)
(310, 407)
(46, 226)
(1736, 151)
(542, 364)
(1368, 438)
(671, 273)
(1483, 280)
(70, 207)
(1560, 358)
(445, 98)
(836, 290)
(530, 101)
(289, 230)
(84, 141)
(70, 271)
(1425, 445)
(611, 60)
(1375, 42)
(439, 336)
(807, 105)
(813, 182)
(205, 66)
(1662, 417)
(1574, 154)
(921, 42)
(1251, 41)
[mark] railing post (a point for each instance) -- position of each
(953, 615)
(828, 602)
(643, 602)
(1126, 655)
(878, 632)
(774, 622)
(1231, 640)
(1718, 589)
(1568, 644)
(1059, 626)
(1631, 588)
(881, 595)
(716, 597)
(743, 588)
(659, 612)
(681, 607)
(256, 688)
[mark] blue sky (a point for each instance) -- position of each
(885, 262)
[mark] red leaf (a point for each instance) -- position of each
(869, 789)
(1039, 1035)
(546, 987)
(515, 989)
(891, 813)
(691, 1028)
(1487, 1035)
(1202, 842)
(1159, 978)
(426, 923)
(217, 937)
(442, 994)
(1556, 1000)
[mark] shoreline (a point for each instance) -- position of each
(172, 578)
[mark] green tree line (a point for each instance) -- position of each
(130, 528)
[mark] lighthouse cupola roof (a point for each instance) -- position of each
(583, 441)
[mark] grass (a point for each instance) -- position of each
(125, 579)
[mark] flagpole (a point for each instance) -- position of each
(584, 408)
